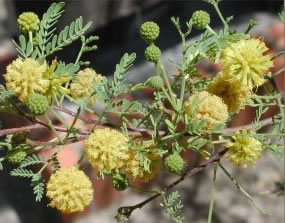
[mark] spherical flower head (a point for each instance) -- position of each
(120, 181)
(28, 22)
(246, 61)
(210, 108)
(244, 150)
(38, 104)
(84, 84)
(135, 169)
(69, 190)
(17, 156)
(154, 82)
(232, 91)
(24, 77)
(200, 19)
(152, 54)
(149, 31)
(106, 149)
(174, 163)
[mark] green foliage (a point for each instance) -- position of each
(196, 143)
(55, 163)
(37, 181)
(144, 160)
(25, 49)
(32, 160)
(173, 206)
(5, 94)
(121, 73)
(63, 69)
(20, 172)
(38, 185)
(65, 37)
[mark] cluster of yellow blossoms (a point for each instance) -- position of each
(244, 68)
(25, 77)
(108, 150)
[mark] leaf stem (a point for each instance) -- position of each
(241, 189)
(210, 214)
(49, 122)
(220, 15)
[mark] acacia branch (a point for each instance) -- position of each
(125, 212)
(71, 113)
(55, 143)
(33, 127)
(133, 131)
(262, 123)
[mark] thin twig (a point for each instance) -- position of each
(55, 143)
(125, 212)
(69, 112)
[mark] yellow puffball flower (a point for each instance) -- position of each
(135, 169)
(69, 190)
(244, 150)
(210, 108)
(232, 91)
(246, 61)
(106, 149)
(24, 77)
(84, 84)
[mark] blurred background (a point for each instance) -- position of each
(117, 22)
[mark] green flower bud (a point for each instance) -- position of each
(17, 157)
(154, 82)
(149, 31)
(28, 21)
(174, 163)
(120, 181)
(152, 54)
(37, 104)
(200, 19)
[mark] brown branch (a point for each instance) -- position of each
(71, 113)
(35, 126)
(55, 143)
(125, 212)
(262, 123)
(21, 129)
(133, 131)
